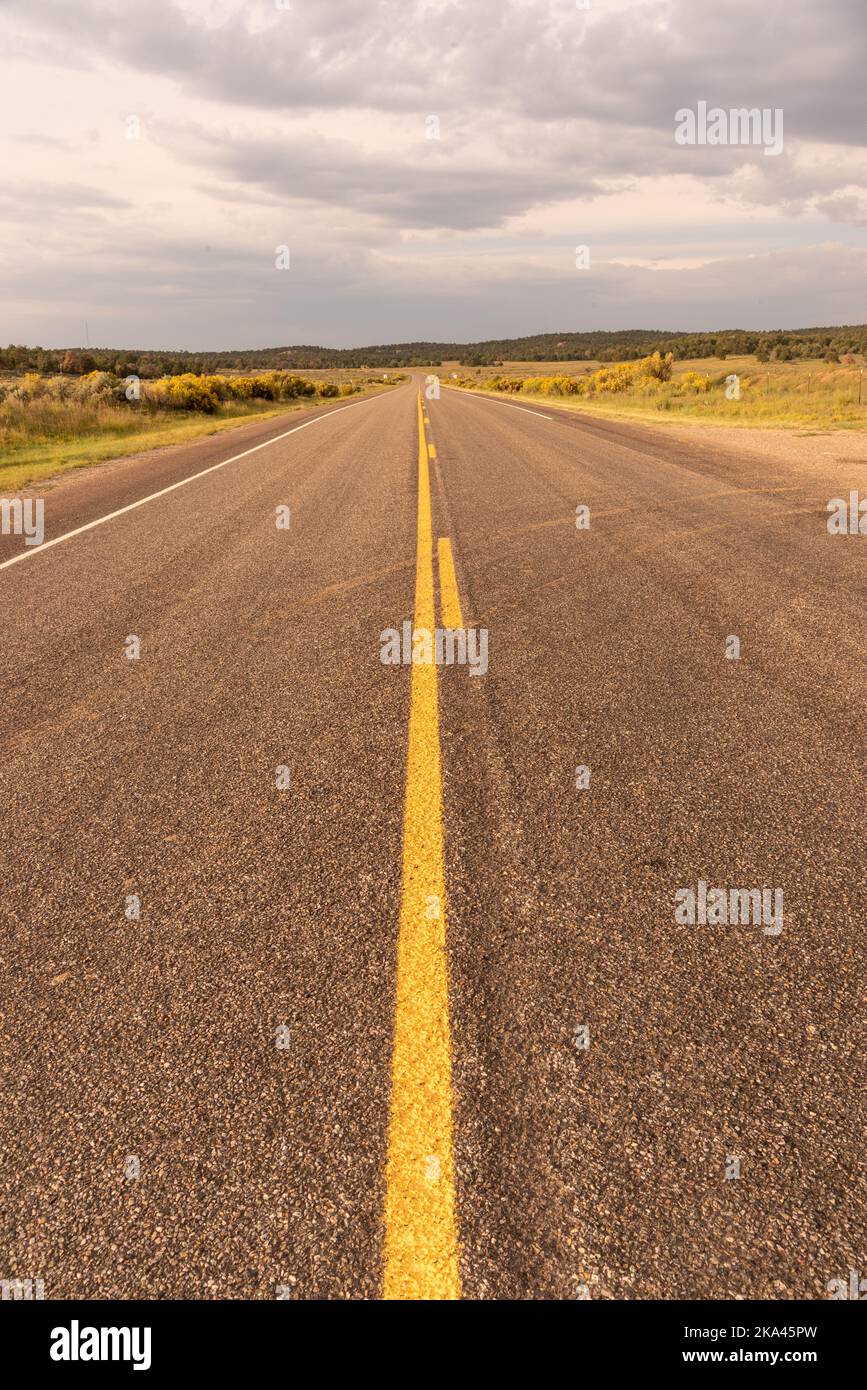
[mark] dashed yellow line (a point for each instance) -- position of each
(450, 599)
(421, 1245)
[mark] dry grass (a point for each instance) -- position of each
(817, 394)
(42, 438)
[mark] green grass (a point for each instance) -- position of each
(41, 440)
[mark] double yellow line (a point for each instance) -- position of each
(450, 599)
(421, 1243)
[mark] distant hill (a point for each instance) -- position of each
(620, 346)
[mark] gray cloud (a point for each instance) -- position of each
(846, 208)
(29, 201)
(445, 185)
(308, 125)
(170, 292)
(424, 187)
(542, 59)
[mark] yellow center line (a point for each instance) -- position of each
(421, 1245)
(450, 599)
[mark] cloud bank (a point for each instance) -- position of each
(432, 165)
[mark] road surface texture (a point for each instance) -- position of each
(407, 1007)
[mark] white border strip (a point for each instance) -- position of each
(28, 554)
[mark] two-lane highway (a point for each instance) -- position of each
(323, 976)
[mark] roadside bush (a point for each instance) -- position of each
(288, 387)
(328, 388)
(61, 388)
(300, 386)
(186, 392)
(218, 386)
(561, 386)
(95, 386)
(32, 386)
(657, 366)
(692, 381)
(613, 379)
(265, 388)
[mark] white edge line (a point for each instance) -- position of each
(79, 530)
(508, 404)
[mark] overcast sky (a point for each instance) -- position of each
(308, 125)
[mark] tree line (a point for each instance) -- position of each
(832, 344)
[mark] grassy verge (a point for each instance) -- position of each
(814, 396)
(705, 412)
(109, 432)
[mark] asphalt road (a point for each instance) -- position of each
(200, 1102)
